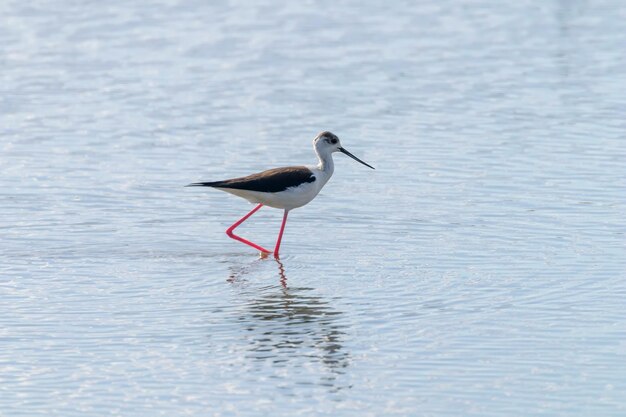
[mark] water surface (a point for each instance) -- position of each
(480, 270)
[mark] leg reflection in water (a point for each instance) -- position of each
(281, 274)
(294, 329)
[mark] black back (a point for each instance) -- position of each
(270, 181)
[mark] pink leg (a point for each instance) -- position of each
(280, 234)
(230, 233)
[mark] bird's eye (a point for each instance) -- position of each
(333, 141)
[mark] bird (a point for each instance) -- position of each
(283, 188)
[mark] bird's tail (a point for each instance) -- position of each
(204, 184)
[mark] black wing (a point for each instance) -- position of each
(270, 181)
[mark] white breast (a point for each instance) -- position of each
(291, 198)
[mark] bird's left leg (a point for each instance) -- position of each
(280, 234)
(231, 235)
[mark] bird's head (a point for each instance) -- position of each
(326, 143)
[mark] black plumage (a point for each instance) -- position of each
(270, 181)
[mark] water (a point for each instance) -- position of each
(480, 270)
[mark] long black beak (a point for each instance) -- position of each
(342, 150)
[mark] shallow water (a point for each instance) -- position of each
(480, 270)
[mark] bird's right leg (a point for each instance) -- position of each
(231, 235)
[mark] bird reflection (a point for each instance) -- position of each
(567, 45)
(292, 327)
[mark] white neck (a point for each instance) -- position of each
(326, 164)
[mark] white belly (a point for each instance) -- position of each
(289, 199)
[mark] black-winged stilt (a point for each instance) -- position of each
(284, 188)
